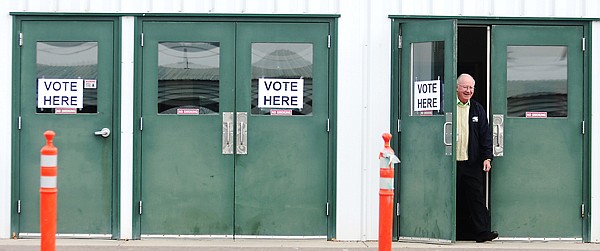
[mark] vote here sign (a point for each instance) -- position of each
(280, 93)
(426, 95)
(60, 93)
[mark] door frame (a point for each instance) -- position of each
(585, 23)
(331, 20)
(18, 19)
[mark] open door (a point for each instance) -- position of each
(427, 177)
(538, 106)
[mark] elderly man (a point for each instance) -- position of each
(473, 159)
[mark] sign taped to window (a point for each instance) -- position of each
(60, 93)
(427, 95)
(280, 93)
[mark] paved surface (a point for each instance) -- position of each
(272, 245)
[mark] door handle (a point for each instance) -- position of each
(242, 133)
(498, 134)
(105, 132)
(227, 144)
(448, 134)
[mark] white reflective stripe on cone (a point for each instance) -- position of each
(48, 181)
(384, 162)
(48, 160)
(386, 183)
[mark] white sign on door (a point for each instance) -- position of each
(426, 95)
(280, 93)
(60, 93)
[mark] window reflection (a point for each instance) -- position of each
(537, 80)
(427, 71)
(69, 60)
(188, 78)
(282, 61)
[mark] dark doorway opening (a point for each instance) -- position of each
(472, 58)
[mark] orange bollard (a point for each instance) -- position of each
(48, 191)
(386, 193)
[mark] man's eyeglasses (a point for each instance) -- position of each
(467, 87)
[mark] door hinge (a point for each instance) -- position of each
(398, 209)
(141, 123)
(140, 208)
(582, 210)
(328, 128)
(327, 209)
(18, 206)
(20, 39)
(399, 128)
(582, 44)
(328, 41)
(19, 125)
(399, 41)
(142, 39)
(583, 127)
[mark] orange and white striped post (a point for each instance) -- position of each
(387, 159)
(48, 193)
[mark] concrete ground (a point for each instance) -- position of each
(272, 245)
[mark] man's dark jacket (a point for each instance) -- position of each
(480, 137)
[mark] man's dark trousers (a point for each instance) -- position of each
(470, 196)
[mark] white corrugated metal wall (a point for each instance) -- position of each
(363, 84)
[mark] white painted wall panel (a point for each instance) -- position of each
(127, 115)
(477, 8)
(108, 6)
(595, 149)
(5, 121)
(529, 8)
(378, 106)
(350, 115)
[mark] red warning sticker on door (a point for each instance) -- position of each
(188, 111)
(281, 112)
(535, 115)
(65, 111)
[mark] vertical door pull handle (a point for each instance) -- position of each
(446, 133)
(242, 133)
(227, 145)
(498, 134)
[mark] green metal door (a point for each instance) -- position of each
(187, 90)
(69, 51)
(427, 99)
(537, 104)
(281, 180)
(215, 162)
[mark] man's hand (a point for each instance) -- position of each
(487, 165)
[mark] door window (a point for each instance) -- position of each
(69, 60)
(188, 78)
(427, 78)
(536, 79)
(282, 78)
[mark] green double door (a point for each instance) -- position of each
(234, 129)
(57, 52)
(536, 113)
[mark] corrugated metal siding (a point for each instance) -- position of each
(512, 8)
(519, 8)
(179, 6)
